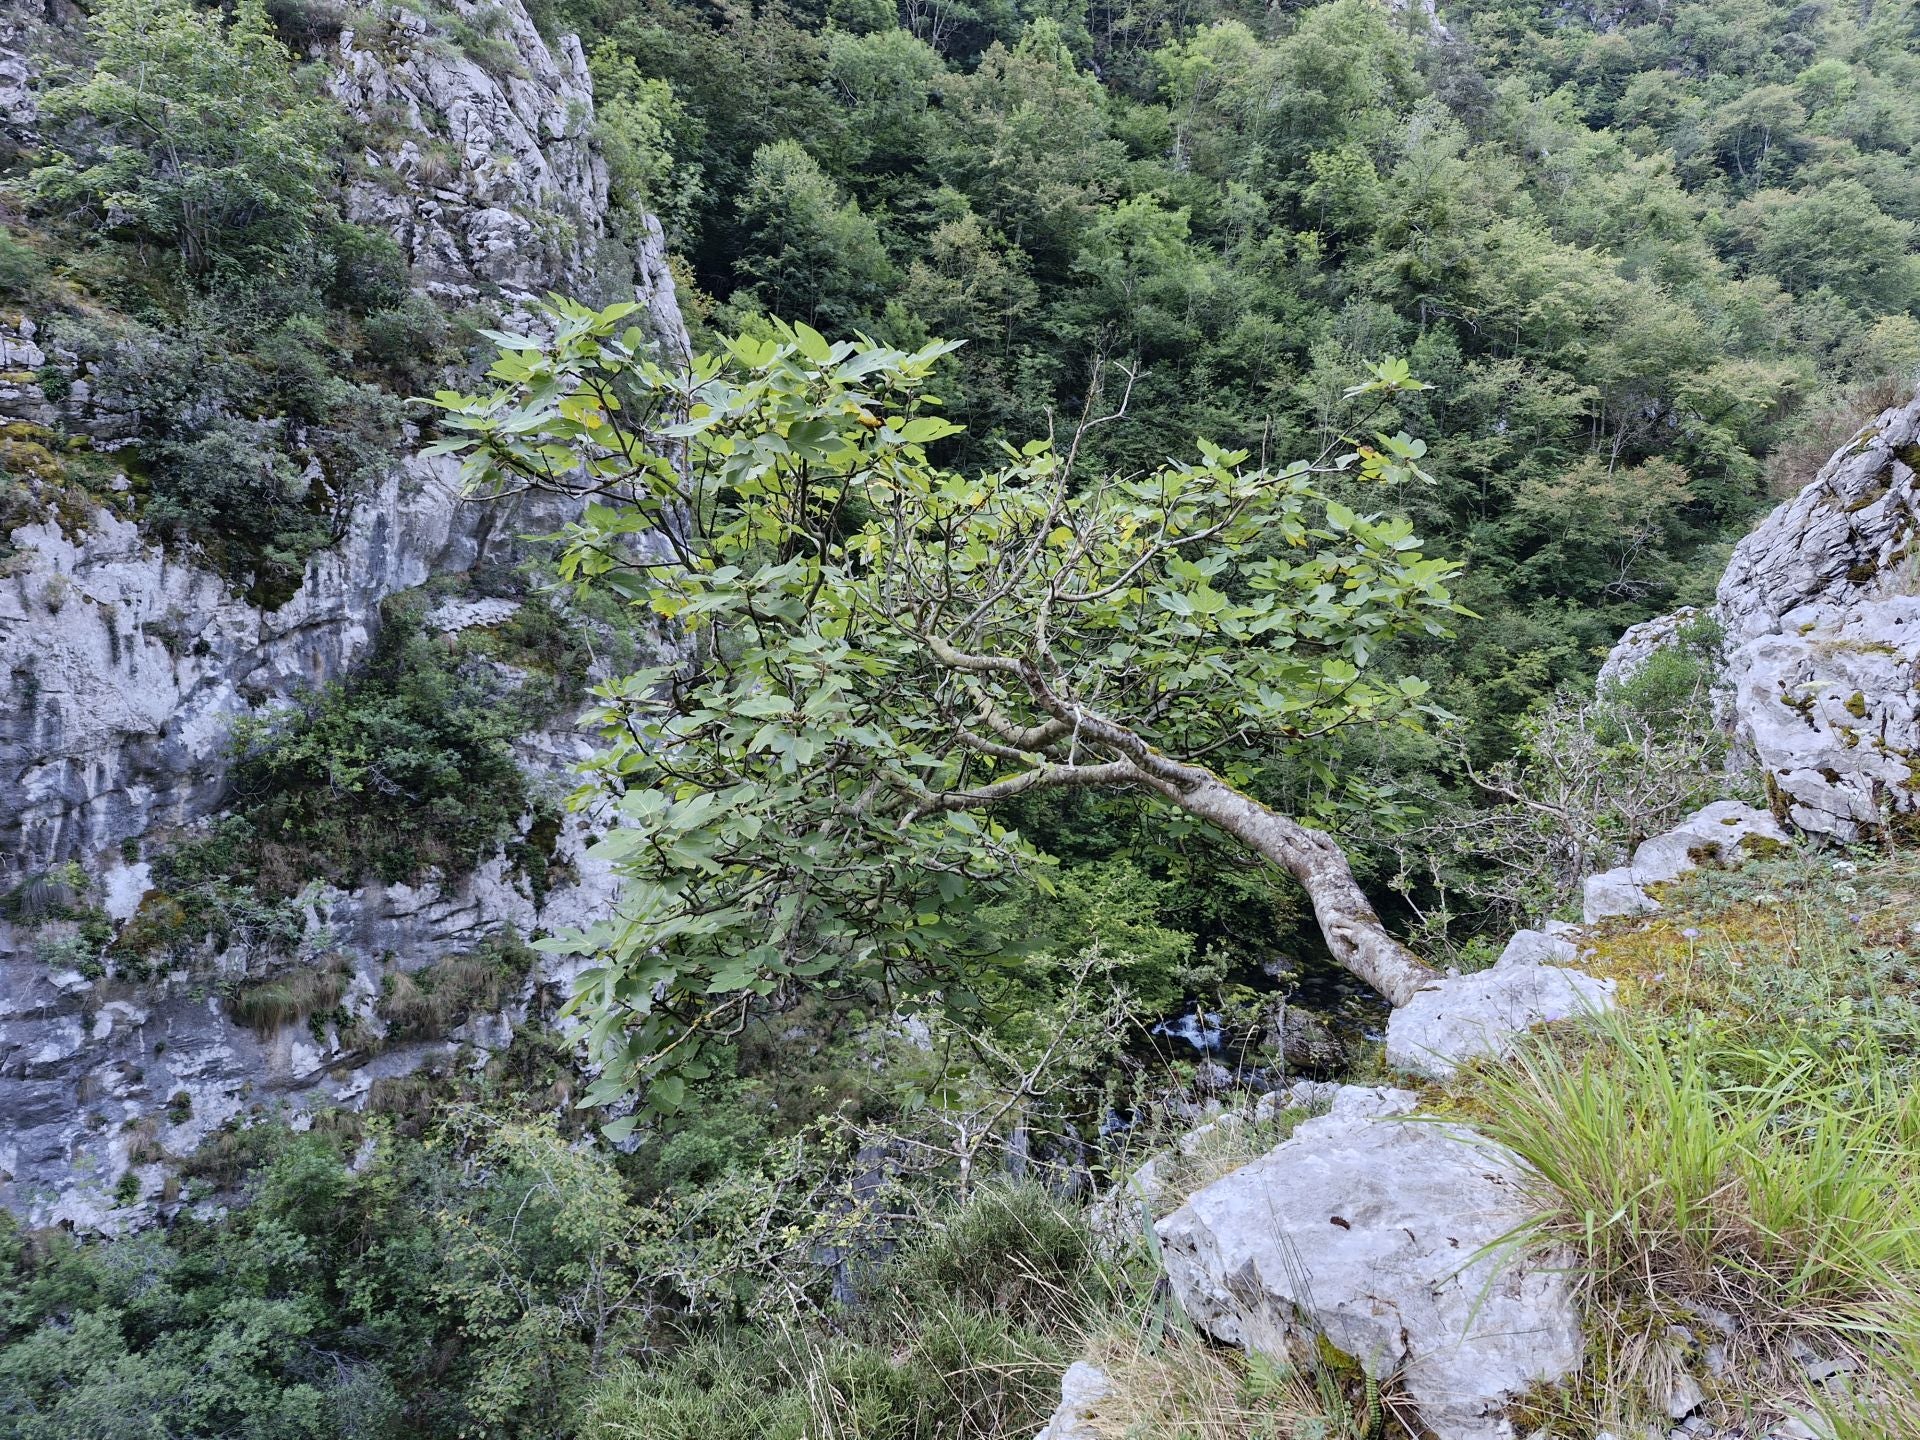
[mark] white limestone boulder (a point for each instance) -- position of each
(1374, 1231)
(1471, 1016)
(1082, 1389)
(1722, 833)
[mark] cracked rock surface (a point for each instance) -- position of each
(1821, 610)
(123, 665)
(1368, 1229)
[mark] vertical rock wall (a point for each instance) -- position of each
(123, 666)
(1820, 608)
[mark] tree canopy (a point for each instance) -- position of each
(865, 652)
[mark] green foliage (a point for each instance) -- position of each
(503, 1281)
(20, 266)
(798, 801)
(268, 1005)
(199, 135)
(1671, 690)
(823, 261)
(639, 125)
(426, 1003)
(404, 766)
(1010, 1250)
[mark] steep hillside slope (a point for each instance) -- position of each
(125, 1035)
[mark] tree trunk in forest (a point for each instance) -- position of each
(1360, 943)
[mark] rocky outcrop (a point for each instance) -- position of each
(1381, 1235)
(1471, 1017)
(1821, 606)
(1821, 611)
(126, 665)
(19, 110)
(1640, 643)
(479, 159)
(1717, 834)
(109, 1086)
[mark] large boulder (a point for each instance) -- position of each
(1821, 611)
(1381, 1235)
(1467, 1017)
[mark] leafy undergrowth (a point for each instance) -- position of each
(1733, 1159)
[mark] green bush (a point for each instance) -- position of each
(231, 486)
(1011, 1251)
(1671, 691)
(20, 266)
(193, 131)
(403, 767)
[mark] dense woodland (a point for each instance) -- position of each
(1651, 264)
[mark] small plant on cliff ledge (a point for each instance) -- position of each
(877, 652)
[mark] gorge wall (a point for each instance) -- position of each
(126, 664)
(1820, 613)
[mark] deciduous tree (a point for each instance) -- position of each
(870, 653)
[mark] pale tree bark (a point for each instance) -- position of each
(1347, 919)
(1312, 857)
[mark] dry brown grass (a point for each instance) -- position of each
(1824, 428)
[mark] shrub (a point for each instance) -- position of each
(20, 267)
(193, 131)
(232, 487)
(427, 1003)
(408, 341)
(269, 1005)
(403, 767)
(1011, 1250)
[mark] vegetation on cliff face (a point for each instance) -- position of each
(1651, 264)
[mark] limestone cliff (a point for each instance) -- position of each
(126, 665)
(1820, 606)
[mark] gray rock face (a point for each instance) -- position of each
(1472, 1016)
(124, 666)
(484, 169)
(101, 1079)
(1367, 1229)
(1821, 608)
(1720, 833)
(1639, 643)
(19, 110)
(1082, 1389)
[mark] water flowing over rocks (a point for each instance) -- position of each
(1369, 1229)
(125, 665)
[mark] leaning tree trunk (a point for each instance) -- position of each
(1353, 931)
(1359, 942)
